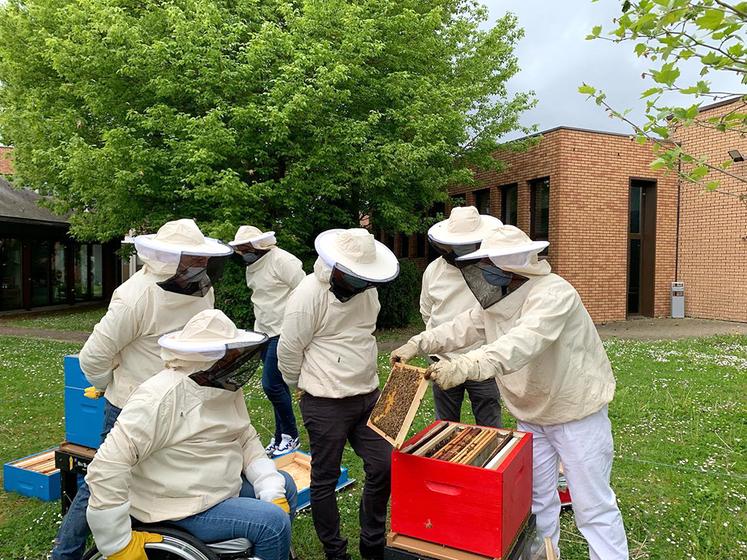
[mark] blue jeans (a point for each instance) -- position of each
(70, 542)
(277, 392)
(264, 524)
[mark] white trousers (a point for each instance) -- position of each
(585, 448)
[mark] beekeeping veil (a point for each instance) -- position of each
(506, 250)
(195, 261)
(213, 351)
(357, 260)
(461, 233)
(250, 244)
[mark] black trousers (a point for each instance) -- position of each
(330, 424)
(484, 396)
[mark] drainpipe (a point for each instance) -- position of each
(677, 227)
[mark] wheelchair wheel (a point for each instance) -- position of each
(176, 545)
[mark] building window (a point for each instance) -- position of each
(437, 211)
(11, 289)
(510, 204)
(41, 273)
(59, 274)
(404, 245)
(421, 242)
(540, 209)
(482, 201)
(97, 272)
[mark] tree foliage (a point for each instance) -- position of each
(710, 33)
(295, 115)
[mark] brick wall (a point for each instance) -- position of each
(6, 166)
(713, 228)
(590, 175)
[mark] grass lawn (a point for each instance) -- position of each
(64, 320)
(679, 420)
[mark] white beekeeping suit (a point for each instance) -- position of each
(184, 439)
(271, 273)
(123, 350)
(554, 377)
(444, 295)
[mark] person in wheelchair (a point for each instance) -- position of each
(183, 451)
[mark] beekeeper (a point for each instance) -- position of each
(554, 377)
(184, 451)
(174, 284)
(444, 295)
(327, 349)
(271, 275)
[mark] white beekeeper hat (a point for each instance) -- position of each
(465, 225)
(255, 236)
(205, 338)
(358, 251)
(511, 249)
(177, 237)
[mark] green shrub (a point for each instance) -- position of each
(233, 297)
(399, 299)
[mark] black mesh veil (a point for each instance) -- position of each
(485, 292)
(234, 369)
(195, 274)
(246, 254)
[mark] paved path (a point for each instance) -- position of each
(635, 329)
(64, 336)
(669, 329)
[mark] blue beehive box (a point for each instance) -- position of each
(34, 476)
(84, 417)
(298, 465)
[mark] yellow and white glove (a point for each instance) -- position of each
(283, 504)
(447, 374)
(135, 550)
(92, 392)
(268, 483)
(112, 531)
(404, 353)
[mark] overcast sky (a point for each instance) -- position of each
(555, 59)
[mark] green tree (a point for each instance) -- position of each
(710, 34)
(293, 114)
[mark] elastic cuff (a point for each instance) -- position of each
(111, 528)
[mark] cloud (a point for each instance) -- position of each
(555, 58)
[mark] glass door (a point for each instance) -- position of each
(11, 286)
(41, 281)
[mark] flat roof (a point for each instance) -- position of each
(630, 135)
(722, 103)
(21, 205)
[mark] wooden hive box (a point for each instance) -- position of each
(298, 465)
(35, 476)
(398, 403)
(481, 510)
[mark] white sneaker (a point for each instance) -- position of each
(286, 445)
(271, 447)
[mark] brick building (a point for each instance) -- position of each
(712, 258)
(5, 162)
(618, 231)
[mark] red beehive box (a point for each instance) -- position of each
(469, 508)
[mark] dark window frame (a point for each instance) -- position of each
(482, 192)
(534, 185)
(505, 190)
(404, 245)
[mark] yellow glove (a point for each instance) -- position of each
(92, 393)
(283, 504)
(135, 550)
